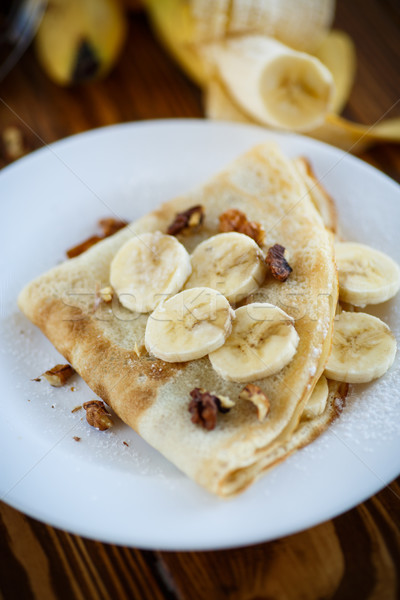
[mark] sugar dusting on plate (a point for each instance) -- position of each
(50, 412)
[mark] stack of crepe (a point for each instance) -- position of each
(152, 396)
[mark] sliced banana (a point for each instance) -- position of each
(148, 269)
(231, 263)
(189, 325)
(262, 342)
(317, 401)
(363, 348)
(366, 276)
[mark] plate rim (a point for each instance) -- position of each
(170, 123)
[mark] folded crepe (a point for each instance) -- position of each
(152, 396)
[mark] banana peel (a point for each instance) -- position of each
(337, 53)
(340, 132)
(173, 25)
(80, 40)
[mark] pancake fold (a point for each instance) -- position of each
(153, 396)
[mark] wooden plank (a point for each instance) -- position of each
(354, 556)
(39, 561)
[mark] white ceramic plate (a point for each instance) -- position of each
(99, 487)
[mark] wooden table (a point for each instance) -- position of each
(356, 555)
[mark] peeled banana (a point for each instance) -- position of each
(188, 27)
(148, 269)
(189, 325)
(274, 84)
(184, 24)
(80, 40)
(231, 263)
(262, 342)
(363, 348)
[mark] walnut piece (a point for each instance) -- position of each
(97, 415)
(59, 375)
(204, 407)
(109, 227)
(234, 219)
(83, 246)
(255, 395)
(140, 349)
(193, 217)
(13, 142)
(277, 262)
(225, 403)
(106, 293)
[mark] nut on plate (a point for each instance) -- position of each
(97, 415)
(260, 400)
(234, 219)
(204, 407)
(109, 227)
(13, 143)
(58, 375)
(188, 219)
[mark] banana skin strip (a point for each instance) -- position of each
(340, 132)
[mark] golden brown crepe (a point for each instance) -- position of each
(152, 396)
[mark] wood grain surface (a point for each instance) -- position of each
(354, 556)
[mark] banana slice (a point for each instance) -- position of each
(262, 342)
(363, 348)
(148, 269)
(366, 276)
(231, 263)
(272, 83)
(189, 325)
(317, 401)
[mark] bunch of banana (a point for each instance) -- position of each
(269, 62)
(80, 40)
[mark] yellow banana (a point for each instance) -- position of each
(184, 25)
(340, 132)
(338, 54)
(187, 27)
(79, 40)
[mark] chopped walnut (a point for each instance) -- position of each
(102, 295)
(58, 375)
(235, 220)
(225, 403)
(13, 142)
(277, 262)
(76, 438)
(83, 246)
(139, 349)
(193, 217)
(106, 293)
(97, 415)
(204, 407)
(109, 227)
(258, 398)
